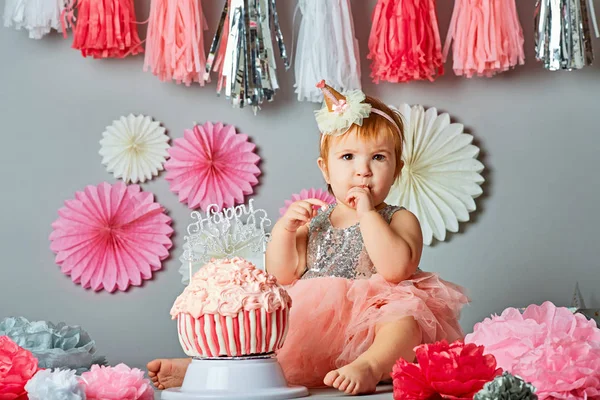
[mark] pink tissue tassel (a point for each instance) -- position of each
(488, 38)
(404, 43)
(175, 41)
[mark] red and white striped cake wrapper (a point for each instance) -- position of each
(248, 333)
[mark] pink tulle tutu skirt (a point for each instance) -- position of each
(333, 320)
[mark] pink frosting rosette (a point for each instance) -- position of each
(228, 286)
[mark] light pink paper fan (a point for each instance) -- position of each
(212, 164)
(308, 194)
(111, 236)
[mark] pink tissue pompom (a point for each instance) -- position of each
(555, 350)
(565, 368)
(116, 383)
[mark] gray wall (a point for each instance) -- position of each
(533, 236)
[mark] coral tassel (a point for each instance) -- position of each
(175, 41)
(404, 43)
(488, 38)
(106, 28)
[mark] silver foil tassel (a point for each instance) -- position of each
(242, 52)
(562, 33)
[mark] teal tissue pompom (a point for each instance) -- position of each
(55, 346)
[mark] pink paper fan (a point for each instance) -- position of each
(308, 194)
(212, 164)
(111, 236)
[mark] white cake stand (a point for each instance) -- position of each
(249, 378)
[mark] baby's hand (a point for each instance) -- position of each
(360, 199)
(300, 213)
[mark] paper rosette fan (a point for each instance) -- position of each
(134, 148)
(212, 164)
(111, 236)
(308, 194)
(441, 176)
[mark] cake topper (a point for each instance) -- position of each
(577, 301)
(234, 231)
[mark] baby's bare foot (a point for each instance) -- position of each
(358, 377)
(167, 372)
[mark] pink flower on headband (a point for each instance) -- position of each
(340, 112)
(340, 107)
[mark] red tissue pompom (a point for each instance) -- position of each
(17, 366)
(450, 371)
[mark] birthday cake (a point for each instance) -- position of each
(231, 309)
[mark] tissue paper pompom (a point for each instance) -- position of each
(455, 371)
(111, 236)
(554, 349)
(308, 194)
(512, 334)
(410, 382)
(566, 368)
(17, 366)
(506, 387)
(55, 346)
(55, 385)
(507, 336)
(116, 383)
(212, 164)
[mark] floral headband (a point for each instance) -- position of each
(341, 111)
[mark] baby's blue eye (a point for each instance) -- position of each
(378, 157)
(347, 157)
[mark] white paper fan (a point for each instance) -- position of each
(441, 176)
(134, 148)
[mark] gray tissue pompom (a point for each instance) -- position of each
(507, 387)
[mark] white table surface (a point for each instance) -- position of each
(384, 392)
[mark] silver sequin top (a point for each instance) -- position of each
(339, 252)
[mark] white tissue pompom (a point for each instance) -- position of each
(55, 385)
